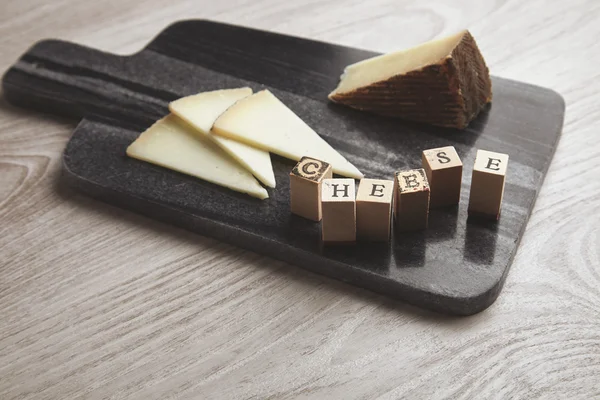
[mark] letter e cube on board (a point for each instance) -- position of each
(411, 198)
(443, 168)
(487, 184)
(305, 187)
(374, 209)
(339, 211)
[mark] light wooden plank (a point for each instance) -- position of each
(96, 302)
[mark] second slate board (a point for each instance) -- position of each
(457, 266)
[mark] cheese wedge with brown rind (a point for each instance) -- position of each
(443, 82)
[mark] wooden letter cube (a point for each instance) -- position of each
(374, 209)
(339, 211)
(444, 173)
(305, 187)
(411, 196)
(487, 184)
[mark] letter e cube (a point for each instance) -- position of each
(487, 184)
(374, 209)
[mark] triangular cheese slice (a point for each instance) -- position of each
(263, 121)
(172, 144)
(201, 111)
(443, 82)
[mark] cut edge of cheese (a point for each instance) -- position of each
(255, 160)
(263, 121)
(172, 144)
(379, 68)
(202, 109)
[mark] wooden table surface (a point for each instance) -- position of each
(97, 302)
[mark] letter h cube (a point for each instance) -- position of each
(339, 211)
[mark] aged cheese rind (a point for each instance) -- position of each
(201, 111)
(172, 144)
(449, 91)
(263, 121)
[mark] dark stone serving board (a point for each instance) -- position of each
(457, 266)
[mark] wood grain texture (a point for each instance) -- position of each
(96, 302)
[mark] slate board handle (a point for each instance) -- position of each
(69, 79)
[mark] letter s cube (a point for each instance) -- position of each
(444, 173)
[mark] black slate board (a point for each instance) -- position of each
(457, 266)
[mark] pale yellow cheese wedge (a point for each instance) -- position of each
(172, 144)
(261, 120)
(201, 111)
